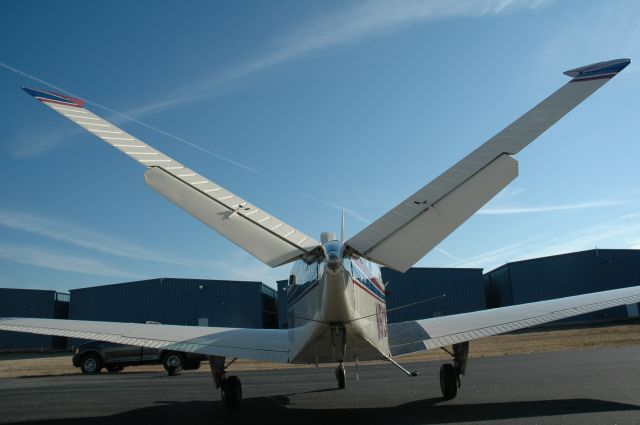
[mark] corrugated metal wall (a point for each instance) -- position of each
(464, 291)
(497, 286)
(565, 275)
(269, 308)
(176, 301)
(282, 304)
(32, 303)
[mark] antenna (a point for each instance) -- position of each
(342, 226)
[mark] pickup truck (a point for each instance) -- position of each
(93, 356)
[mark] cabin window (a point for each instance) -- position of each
(304, 272)
(346, 263)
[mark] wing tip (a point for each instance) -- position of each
(606, 69)
(52, 97)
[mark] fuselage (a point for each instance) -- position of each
(336, 309)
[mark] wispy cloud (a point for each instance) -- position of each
(242, 266)
(236, 265)
(509, 193)
(353, 213)
(548, 208)
(37, 146)
(600, 31)
(493, 257)
(358, 22)
(32, 143)
(42, 257)
(85, 238)
(621, 232)
(447, 254)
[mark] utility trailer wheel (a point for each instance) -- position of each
(232, 393)
(448, 381)
(341, 376)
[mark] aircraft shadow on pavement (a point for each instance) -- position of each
(277, 410)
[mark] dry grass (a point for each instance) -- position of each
(562, 339)
(22, 365)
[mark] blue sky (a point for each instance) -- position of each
(304, 108)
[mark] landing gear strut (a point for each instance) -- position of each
(339, 342)
(450, 374)
(230, 386)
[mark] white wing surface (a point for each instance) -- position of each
(419, 335)
(407, 232)
(258, 344)
(261, 234)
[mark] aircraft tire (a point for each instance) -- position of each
(232, 393)
(342, 378)
(448, 381)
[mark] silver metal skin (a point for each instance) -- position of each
(338, 318)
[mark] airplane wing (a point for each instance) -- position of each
(407, 232)
(258, 344)
(261, 234)
(418, 335)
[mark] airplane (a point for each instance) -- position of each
(335, 294)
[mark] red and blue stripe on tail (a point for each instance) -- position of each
(51, 97)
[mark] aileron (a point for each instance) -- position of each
(440, 331)
(258, 344)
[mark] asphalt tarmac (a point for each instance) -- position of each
(595, 386)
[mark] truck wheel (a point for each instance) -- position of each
(91, 363)
(173, 363)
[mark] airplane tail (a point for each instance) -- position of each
(407, 232)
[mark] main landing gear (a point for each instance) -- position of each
(230, 386)
(450, 374)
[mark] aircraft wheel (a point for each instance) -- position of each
(341, 376)
(232, 393)
(448, 381)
